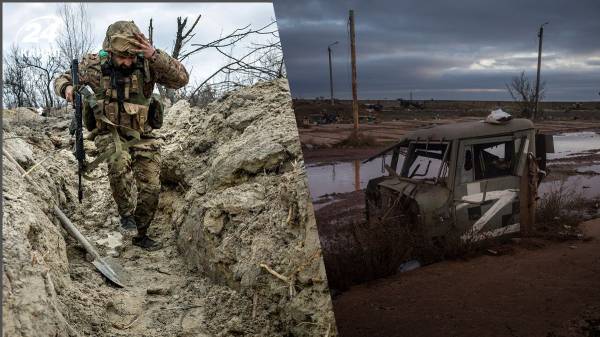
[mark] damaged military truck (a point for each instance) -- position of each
(458, 183)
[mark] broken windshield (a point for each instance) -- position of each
(426, 161)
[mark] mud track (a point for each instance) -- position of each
(537, 288)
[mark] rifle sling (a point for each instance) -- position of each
(113, 153)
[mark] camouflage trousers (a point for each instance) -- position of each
(137, 168)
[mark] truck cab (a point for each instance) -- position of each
(458, 182)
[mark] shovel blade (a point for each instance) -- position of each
(110, 268)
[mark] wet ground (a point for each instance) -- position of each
(535, 288)
(319, 139)
(575, 144)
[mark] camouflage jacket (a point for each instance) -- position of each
(164, 70)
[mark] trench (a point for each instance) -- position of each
(240, 252)
(164, 297)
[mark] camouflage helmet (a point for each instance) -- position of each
(120, 37)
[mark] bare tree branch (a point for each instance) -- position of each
(150, 31)
(48, 67)
(76, 37)
(182, 37)
(232, 38)
(522, 91)
(260, 61)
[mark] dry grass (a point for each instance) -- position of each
(365, 253)
(559, 212)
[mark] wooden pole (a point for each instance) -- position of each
(331, 72)
(539, 64)
(353, 56)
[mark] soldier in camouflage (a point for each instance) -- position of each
(122, 76)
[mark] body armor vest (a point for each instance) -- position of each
(122, 97)
(122, 108)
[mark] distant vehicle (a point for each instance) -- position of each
(374, 107)
(458, 182)
(411, 104)
(324, 117)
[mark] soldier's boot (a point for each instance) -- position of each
(145, 242)
(143, 215)
(143, 219)
(148, 196)
(128, 222)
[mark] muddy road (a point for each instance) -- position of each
(534, 288)
(318, 141)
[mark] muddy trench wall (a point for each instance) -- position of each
(245, 219)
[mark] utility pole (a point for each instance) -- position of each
(539, 64)
(331, 71)
(353, 56)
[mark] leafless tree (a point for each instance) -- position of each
(46, 67)
(18, 88)
(260, 62)
(182, 37)
(76, 37)
(150, 32)
(522, 91)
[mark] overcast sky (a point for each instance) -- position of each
(442, 49)
(21, 23)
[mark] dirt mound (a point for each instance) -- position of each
(246, 220)
(241, 252)
(21, 114)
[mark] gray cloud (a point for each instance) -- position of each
(442, 49)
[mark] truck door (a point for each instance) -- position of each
(486, 198)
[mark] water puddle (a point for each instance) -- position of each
(589, 169)
(342, 177)
(574, 144)
(588, 186)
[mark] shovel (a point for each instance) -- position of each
(106, 265)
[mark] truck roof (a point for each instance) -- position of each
(459, 131)
(469, 130)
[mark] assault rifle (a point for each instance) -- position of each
(77, 104)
